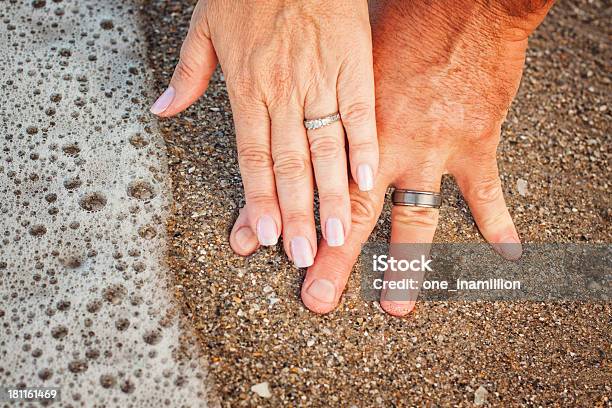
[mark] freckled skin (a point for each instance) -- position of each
(458, 75)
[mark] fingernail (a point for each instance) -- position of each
(323, 290)
(365, 177)
(266, 231)
(334, 232)
(398, 309)
(162, 103)
(245, 238)
(509, 248)
(301, 252)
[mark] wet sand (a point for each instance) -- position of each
(253, 328)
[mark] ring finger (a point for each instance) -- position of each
(412, 231)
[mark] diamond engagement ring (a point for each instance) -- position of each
(313, 124)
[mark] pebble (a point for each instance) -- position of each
(262, 389)
(521, 186)
(480, 396)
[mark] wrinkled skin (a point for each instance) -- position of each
(283, 62)
(446, 75)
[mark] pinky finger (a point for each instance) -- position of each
(482, 189)
(356, 103)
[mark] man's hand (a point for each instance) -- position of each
(446, 73)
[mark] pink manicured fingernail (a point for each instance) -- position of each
(266, 231)
(334, 232)
(365, 177)
(301, 252)
(162, 103)
(323, 290)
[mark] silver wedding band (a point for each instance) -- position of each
(412, 198)
(314, 124)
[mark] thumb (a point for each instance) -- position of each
(326, 279)
(195, 67)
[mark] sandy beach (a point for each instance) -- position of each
(253, 328)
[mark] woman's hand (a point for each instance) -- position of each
(286, 61)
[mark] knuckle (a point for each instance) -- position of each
(278, 84)
(336, 270)
(188, 65)
(487, 190)
(239, 86)
(325, 147)
(260, 198)
(364, 147)
(416, 218)
(197, 30)
(362, 209)
(253, 157)
(332, 198)
(296, 217)
(186, 68)
(481, 162)
(357, 114)
(494, 220)
(483, 135)
(425, 147)
(290, 166)
(426, 168)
